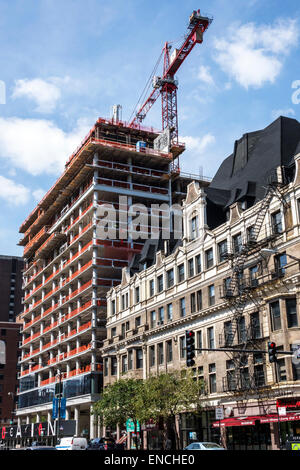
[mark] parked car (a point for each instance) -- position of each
(72, 443)
(204, 446)
(101, 443)
(40, 448)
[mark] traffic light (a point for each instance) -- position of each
(272, 351)
(190, 348)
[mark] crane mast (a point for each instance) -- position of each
(167, 85)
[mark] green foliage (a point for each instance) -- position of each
(166, 395)
(119, 402)
(160, 397)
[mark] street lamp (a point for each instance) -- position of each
(274, 251)
(12, 395)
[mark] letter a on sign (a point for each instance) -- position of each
(2, 352)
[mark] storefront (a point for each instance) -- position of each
(198, 427)
(255, 432)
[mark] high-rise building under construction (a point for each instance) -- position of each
(69, 269)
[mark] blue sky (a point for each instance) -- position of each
(65, 63)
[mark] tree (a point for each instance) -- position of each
(119, 402)
(165, 396)
(159, 398)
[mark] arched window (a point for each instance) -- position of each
(194, 226)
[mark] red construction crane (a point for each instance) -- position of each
(166, 86)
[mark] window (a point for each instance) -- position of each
(139, 359)
(130, 359)
(275, 315)
(151, 287)
(169, 312)
(137, 295)
(228, 334)
(181, 272)
(253, 271)
(114, 366)
(191, 267)
(276, 221)
(124, 301)
(199, 300)
(281, 367)
(199, 341)
(153, 319)
(182, 307)
(231, 376)
(291, 312)
(259, 374)
(255, 326)
(242, 332)
(222, 250)
(237, 243)
(198, 264)
(193, 302)
(161, 315)
(280, 262)
(152, 356)
(250, 233)
(210, 337)
(209, 257)
(295, 367)
(212, 378)
(182, 347)
(194, 227)
(113, 331)
(170, 278)
(160, 353)
(124, 364)
(211, 295)
(106, 366)
(245, 379)
(169, 351)
(138, 321)
(160, 283)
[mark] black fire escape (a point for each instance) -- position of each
(246, 372)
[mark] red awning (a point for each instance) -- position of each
(273, 418)
(244, 421)
(250, 420)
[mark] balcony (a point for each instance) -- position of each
(55, 239)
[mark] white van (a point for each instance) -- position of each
(72, 443)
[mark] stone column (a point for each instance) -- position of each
(92, 425)
(77, 419)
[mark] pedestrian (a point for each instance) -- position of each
(168, 444)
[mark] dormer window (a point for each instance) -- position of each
(194, 227)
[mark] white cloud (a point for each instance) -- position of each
(196, 150)
(253, 55)
(45, 94)
(38, 194)
(38, 146)
(13, 193)
(283, 112)
(204, 75)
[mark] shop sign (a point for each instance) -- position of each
(219, 413)
(45, 429)
(288, 403)
(281, 410)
